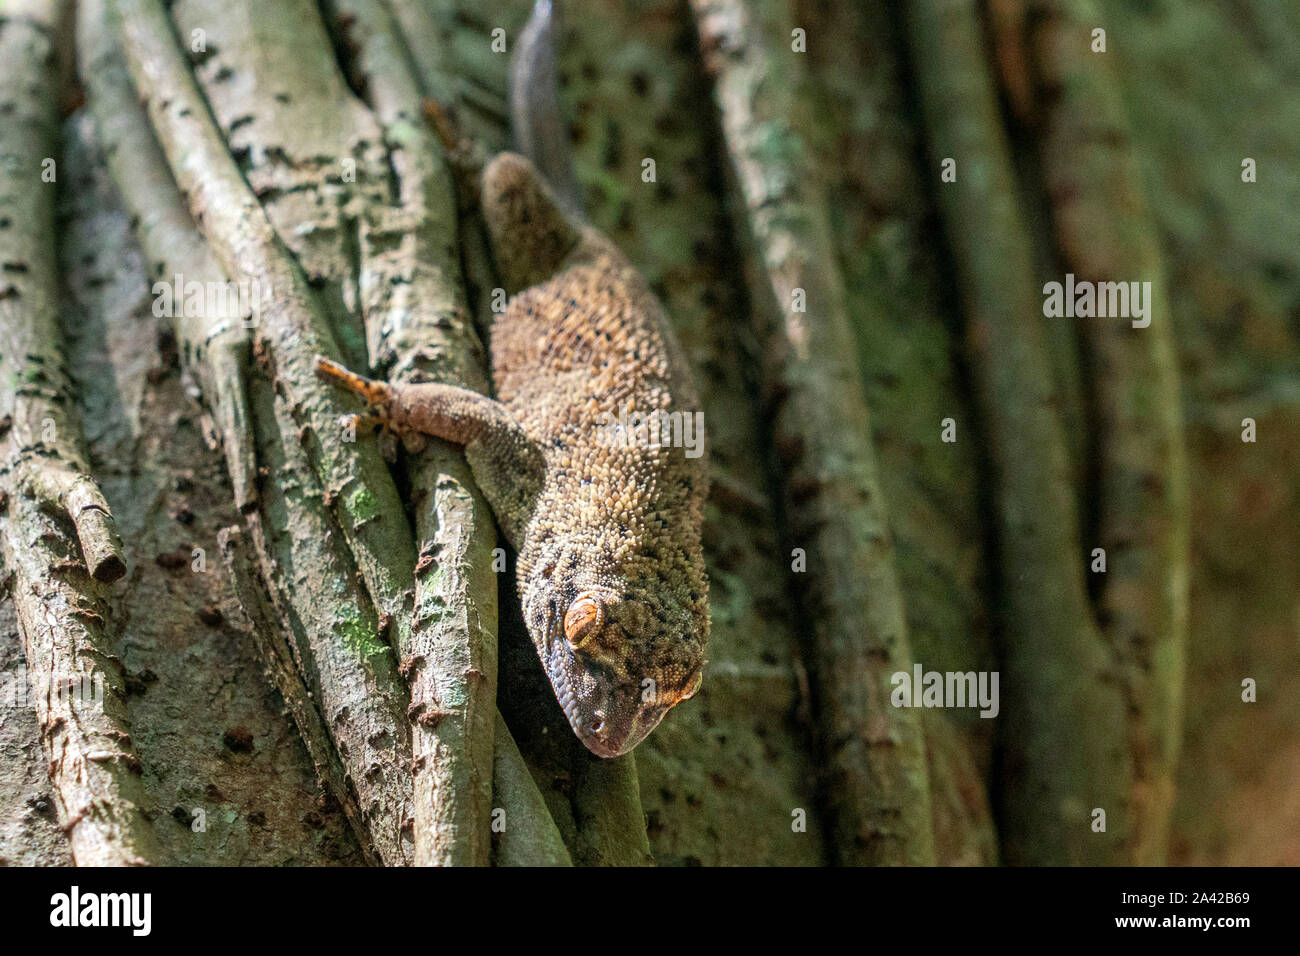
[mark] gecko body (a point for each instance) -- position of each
(606, 523)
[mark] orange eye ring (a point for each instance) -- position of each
(583, 620)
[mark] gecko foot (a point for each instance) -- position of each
(367, 389)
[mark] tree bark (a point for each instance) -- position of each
(351, 682)
(877, 786)
(60, 539)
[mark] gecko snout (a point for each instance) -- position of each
(614, 734)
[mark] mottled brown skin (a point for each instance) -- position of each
(610, 572)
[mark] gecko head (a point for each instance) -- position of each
(619, 658)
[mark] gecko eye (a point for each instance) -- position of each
(583, 620)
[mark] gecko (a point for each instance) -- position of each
(605, 520)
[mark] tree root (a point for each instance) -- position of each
(877, 784)
(51, 500)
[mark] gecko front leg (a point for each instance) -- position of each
(507, 464)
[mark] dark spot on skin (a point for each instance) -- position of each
(640, 83)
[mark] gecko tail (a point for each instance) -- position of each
(370, 391)
(537, 120)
